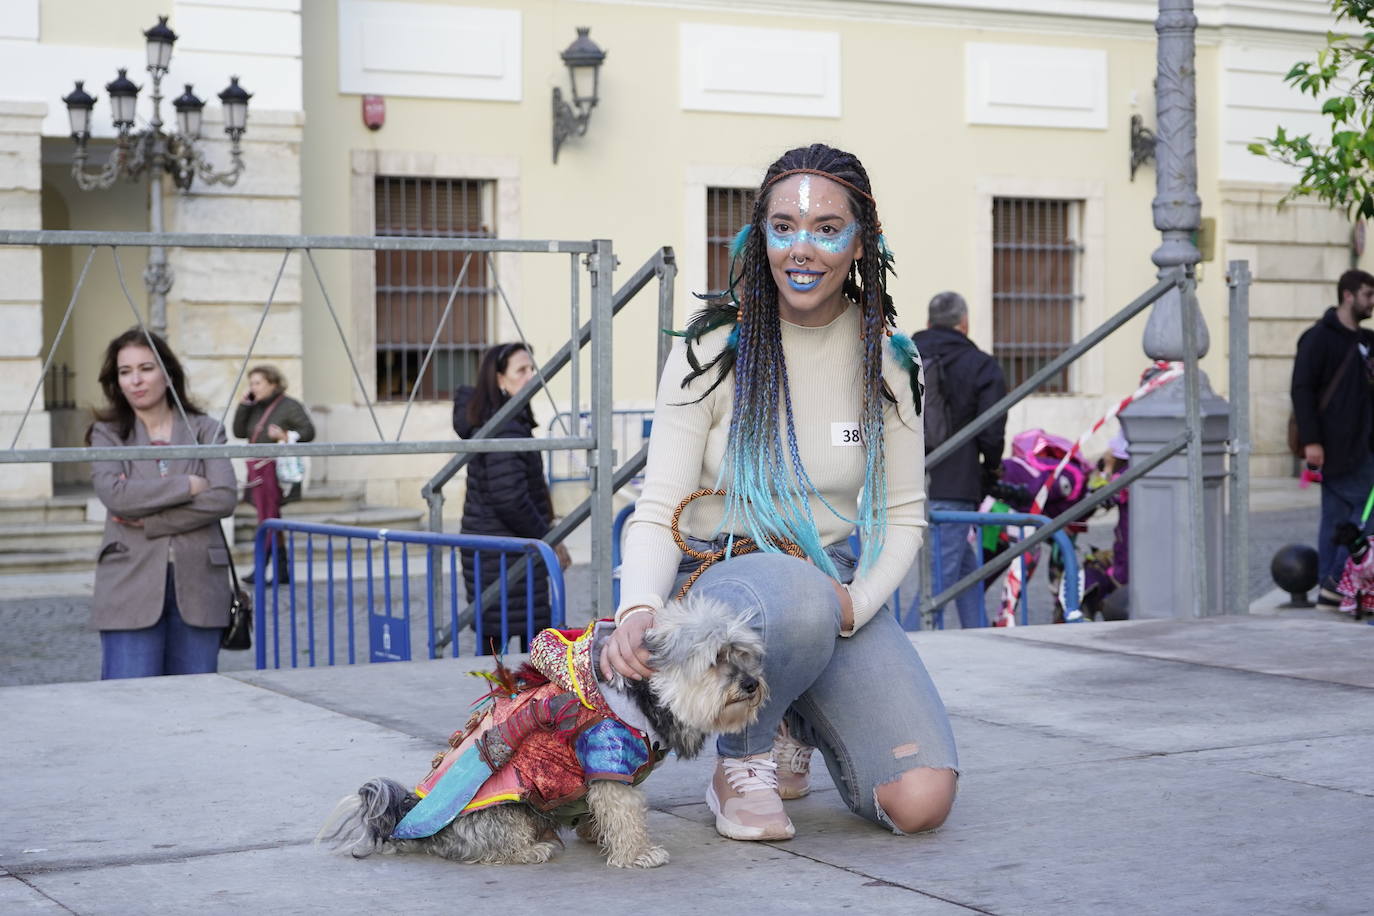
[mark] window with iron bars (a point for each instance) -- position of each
(727, 209)
(413, 287)
(1036, 285)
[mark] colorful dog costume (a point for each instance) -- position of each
(529, 742)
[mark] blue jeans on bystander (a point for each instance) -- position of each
(957, 559)
(170, 646)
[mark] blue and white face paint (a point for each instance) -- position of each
(828, 238)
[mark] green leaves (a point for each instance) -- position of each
(1338, 171)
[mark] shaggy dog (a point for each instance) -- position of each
(708, 678)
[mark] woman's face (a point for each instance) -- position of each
(519, 370)
(812, 235)
(140, 379)
(259, 387)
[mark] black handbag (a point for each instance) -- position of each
(239, 634)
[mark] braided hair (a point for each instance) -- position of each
(767, 485)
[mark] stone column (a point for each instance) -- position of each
(1168, 528)
(217, 295)
(21, 298)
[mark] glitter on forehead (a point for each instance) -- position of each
(804, 190)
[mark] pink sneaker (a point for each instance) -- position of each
(794, 764)
(743, 795)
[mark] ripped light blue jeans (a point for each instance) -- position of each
(865, 700)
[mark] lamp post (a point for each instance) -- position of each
(1184, 495)
(152, 152)
(583, 58)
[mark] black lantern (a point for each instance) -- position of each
(189, 108)
(123, 100)
(235, 101)
(160, 40)
(583, 58)
(79, 104)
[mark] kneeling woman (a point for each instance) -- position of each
(791, 395)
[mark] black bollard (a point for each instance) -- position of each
(1294, 569)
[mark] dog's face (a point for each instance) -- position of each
(708, 665)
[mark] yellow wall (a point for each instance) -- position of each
(101, 311)
(903, 104)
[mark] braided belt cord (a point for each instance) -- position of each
(741, 546)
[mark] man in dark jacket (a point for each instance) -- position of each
(971, 382)
(1334, 408)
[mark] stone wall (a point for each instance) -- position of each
(218, 295)
(21, 297)
(1296, 254)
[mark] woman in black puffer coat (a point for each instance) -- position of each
(507, 494)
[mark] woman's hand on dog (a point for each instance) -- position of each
(625, 653)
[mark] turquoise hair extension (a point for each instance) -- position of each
(733, 340)
(909, 358)
(741, 238)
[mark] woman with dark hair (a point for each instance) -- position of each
(507, 494)
(266, 414)
(162, 574)
(792, 394)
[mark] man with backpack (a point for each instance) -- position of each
(1332, 429)
(961, 383)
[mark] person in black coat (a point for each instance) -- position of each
(971, 381)
(507, 494)
(1334, 409)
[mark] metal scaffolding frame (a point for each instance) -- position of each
(596, 256)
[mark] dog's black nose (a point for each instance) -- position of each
(748, 684)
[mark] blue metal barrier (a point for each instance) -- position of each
(388, 627)
(617, 528)
(942, 517)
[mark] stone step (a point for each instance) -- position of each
(74, 552)
(320, 498)
(65, 508)
(363, 517)
(41, 537)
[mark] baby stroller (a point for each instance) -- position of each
(1037, 464)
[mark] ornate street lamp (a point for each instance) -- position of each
(583, 58)
(151, 152)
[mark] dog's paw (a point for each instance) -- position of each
(586, 831)
(652, 857)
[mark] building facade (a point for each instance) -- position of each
(996, 132)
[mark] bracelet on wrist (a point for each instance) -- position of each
(626, 613)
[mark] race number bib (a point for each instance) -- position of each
(842, 434)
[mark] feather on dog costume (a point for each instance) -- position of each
(551, 768)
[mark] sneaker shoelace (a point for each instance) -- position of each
(790, 752)
(757, 775)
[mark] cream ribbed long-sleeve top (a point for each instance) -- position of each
(687, 449)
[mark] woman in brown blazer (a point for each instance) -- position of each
(162, 575)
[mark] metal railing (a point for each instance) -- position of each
(595, 256)
(940, 518)
(606, 478)
(631, 433)
(384, 608)
(911, 619)
(1235, 600)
